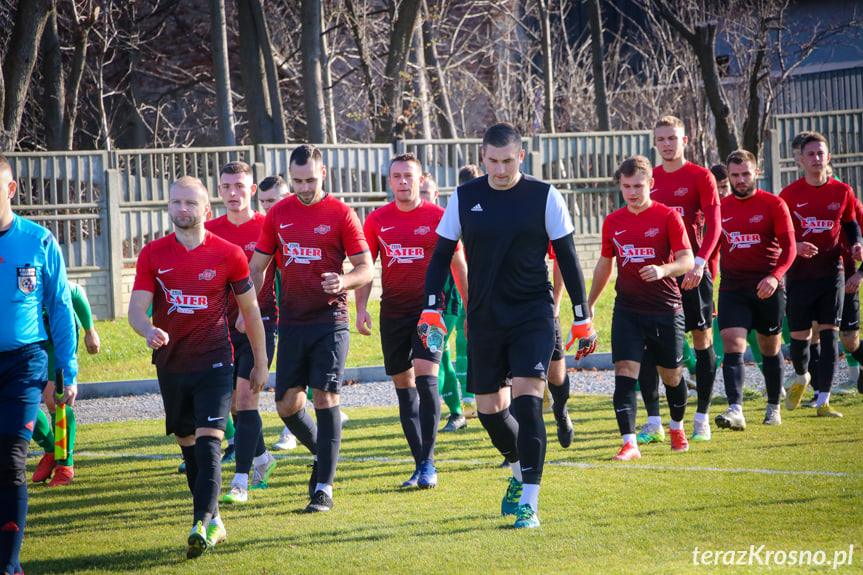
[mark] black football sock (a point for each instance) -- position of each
(531, 440)
(409, 416)
(773, 377)
(625, 404)
(733, 371)
(303, 427)
(502, 429)
(429, 414)
(705, 377)
(248, 430)
(329, 442)
(208, 452)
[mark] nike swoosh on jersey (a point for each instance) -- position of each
(620, 232)
(727, 219)
(209, 418)
(283, 226)
(161, 271)
(803, 204)
(387, 229)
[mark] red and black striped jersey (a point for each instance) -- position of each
(190, 299)
(310, 241)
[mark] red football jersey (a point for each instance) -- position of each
(190, 299)
(648, 238)
(756, 232)
(311, 240)
(405, 241)
(817, 214)
(246, 237)
(691, 192)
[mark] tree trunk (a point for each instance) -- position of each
(702, 40)
(329, 105)
(275, 97)
(313, 94)
(365, 62)
(421, 86)
(405, 21)
(218, 31)
(258, 109)
(24, 44)
(547, 68)
(597, 55)
(445, 121)
(53, 85)
(705, 51)
(76, 73)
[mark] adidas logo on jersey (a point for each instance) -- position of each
(476, 208)
(539, 367)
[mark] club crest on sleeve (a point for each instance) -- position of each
(27, 279)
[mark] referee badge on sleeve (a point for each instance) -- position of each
(27, 279)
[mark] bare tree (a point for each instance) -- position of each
(218, 30)
(405, 20)
(313, 93)
(598, 64)
(24, 44)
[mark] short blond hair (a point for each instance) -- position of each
(669, 122)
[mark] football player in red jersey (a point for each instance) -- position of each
(690, 190)
(403, 233)
(186, 277)
(757, 248)
(649, 244)
(821, 208)
(241, 225)
(313, 232)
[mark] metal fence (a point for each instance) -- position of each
(103, 207)
(844, 132)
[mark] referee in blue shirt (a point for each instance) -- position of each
(32, 276)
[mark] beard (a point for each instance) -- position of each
(750, 189)
(185, 222)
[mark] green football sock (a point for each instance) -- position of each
(688, 357)
(718, 347)
(43, 433)
(229, 428)
(70, 436)
(461, 357)
(447, 380)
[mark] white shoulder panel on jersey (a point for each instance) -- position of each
(558, 222)
(450, 224)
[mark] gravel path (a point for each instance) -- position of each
(378, 394)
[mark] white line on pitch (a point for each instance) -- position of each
(107, 455)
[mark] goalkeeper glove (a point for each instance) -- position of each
(432, 330)
(582, 334)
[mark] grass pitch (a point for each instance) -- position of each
(797, 487)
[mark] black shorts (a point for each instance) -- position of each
(819, 300)
(662, 335)
(743, 308)
(312, 356)
(244, 359)
(493, 355)
(851, 312)
(698, 303)
(400, 343)
(558, 352)
(195, 400)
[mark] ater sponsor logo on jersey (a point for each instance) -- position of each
(295, 253)
(399, 254)
(738, 240)
(813, 225)
(180, 302)
(630, 253)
